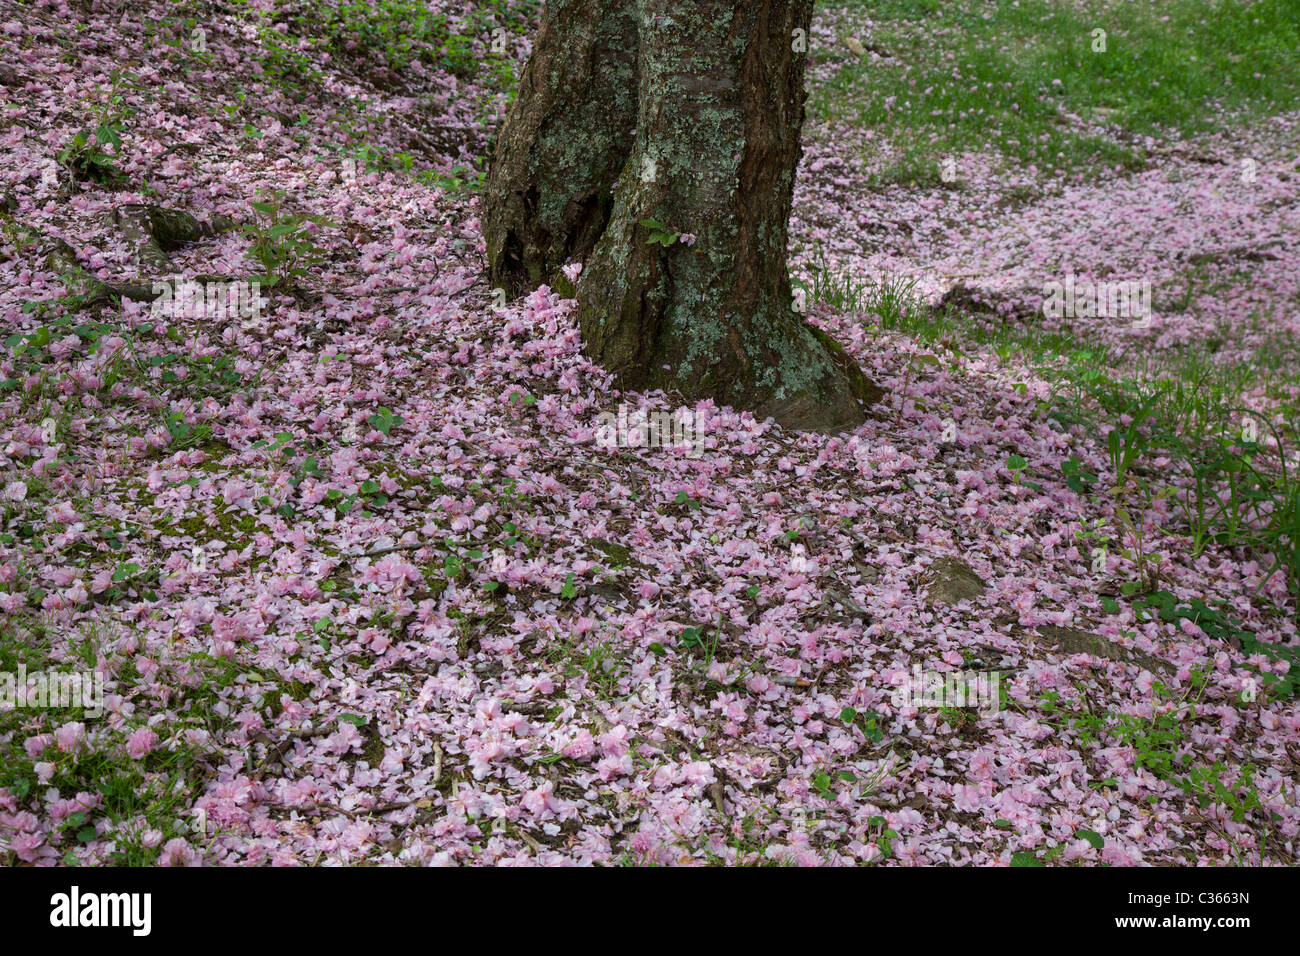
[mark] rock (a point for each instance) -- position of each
(1072, 640)
(172, 228)
(617, 555)
(134, 223)
(157, 231)
(60, 257)
(951, 581)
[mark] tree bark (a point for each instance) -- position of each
(718, 109)
(720, 112)
(567, 136)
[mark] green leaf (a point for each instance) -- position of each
(1025, 859)
(1093, 837)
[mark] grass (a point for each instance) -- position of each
(1186, 403)
(1162, 745)
(1017, 70)
(1240, 491)
(134, 795)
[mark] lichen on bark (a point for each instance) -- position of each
(567, 135)
(718, 109)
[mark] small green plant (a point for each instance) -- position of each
(1128, 442)
(660, 234)
(701, 641)
(1206, 786)
(683, 498)
(870, 721)
(884, 834)
(185, 435)
(1158, 741)
(1076, 478)
(823, 782)
(1146, 564)
(384, 421)
(1215, 621)
(1026, 858)
(283, 243)
(1238, 795)
(283, 56)
(93, 154)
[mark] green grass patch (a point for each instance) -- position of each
(1004, 76)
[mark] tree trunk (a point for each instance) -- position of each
(721, 107)
(718, 108)
(568, 133)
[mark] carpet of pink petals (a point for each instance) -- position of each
(560, 716)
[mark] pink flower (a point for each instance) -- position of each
(70, 736)
(536, 801)
(581, 746)
(176, 852)
(615, 742)
(141, 742)
(26, 845)
(698, 773)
